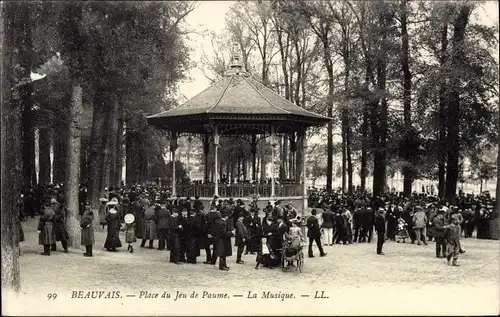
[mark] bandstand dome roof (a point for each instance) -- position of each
(241, 101)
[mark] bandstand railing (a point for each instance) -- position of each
(239, 190)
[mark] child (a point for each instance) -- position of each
(453, 240)
(87, 239)
(402, 231)
(129, 231)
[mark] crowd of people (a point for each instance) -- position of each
(182, 227)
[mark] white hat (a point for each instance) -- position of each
(104, 199)
(129, 218)
(113, 201)
(54, 201)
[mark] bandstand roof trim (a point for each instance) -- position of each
(237, 96)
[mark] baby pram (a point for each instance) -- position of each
(292, 254)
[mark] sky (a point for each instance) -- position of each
(210, 15)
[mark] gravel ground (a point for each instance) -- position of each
(409, 279)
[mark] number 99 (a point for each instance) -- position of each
(51, 296)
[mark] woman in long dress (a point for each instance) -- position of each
(113, 236)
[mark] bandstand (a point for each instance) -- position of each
(238, 105)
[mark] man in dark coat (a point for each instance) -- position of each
(194, 230)
(239, 209)
(174, 228)
(46, 234)
(162, 215)
(327, 225)
(339, 228)
(358, 217)
(197, 204)
(183, 235)
(380, 229)
(59, 227)
(209, 222)
(282, 230)
(222, 239)
(368, 223)
(87, 236)
(439, 233)
(241, 238)
(254, 226)
(314, 234)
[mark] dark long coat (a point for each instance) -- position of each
(241, 233)
(47, 234)
(87, 228)
(313, 230)
(194, 228)
(150, 225)
(173, 233)
(138, 211)
(113, 236)
(254, 227)
(60, 228)
(272, 233)
(438, 226)
(222, 238)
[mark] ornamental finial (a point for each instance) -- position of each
(236, 67)
(236, 62)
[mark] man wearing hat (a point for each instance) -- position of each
(209, 223)
(420, 225)
(241, 238)
(59, 226)
(278, 209)
(174, 228)
(239, 209)
(150, 229)
(314, 234)
(380, 229)
(222, 239)
(438, 224)
(197, 204)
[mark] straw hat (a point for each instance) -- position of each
(113, 201)
(129, 218)
(103, 199)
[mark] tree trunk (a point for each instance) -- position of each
(117, 179)
(96, 148)
(329, 165)
(344, 155)
(364, 146)
(59, 146)
(109, 146)
(380, 115)
(495, 223)
(442, 114)
(405, 65)
(11, 22)
(72, 181)
(349, 162)
(28, 136)
(44, 166)
(112, 132)
(453, 111)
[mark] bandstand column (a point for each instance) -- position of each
(216, 174)
(303, 172)
(206, 149)
(273, 145)
(173, 148)
(254, 157)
